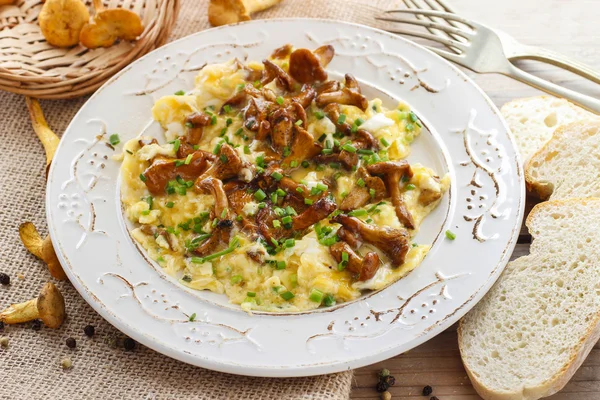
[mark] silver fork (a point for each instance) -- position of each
(486, 50)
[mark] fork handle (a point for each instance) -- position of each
(557, 59)
(587, 102)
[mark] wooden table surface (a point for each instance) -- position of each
(570, 27)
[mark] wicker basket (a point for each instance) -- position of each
(32, 67)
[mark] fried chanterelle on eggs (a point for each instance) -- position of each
(279, 186)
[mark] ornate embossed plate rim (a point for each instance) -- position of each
(336, 362)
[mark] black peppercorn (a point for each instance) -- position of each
(71, 343)
(382, 386)
(36, 324)
(89, 330)
(4, 279)
(427, 390)
(390, 380)
(129, 344)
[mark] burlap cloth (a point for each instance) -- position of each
(30, 366)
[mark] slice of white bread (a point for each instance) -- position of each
(532, 120)
(534, 328)
(568, 165)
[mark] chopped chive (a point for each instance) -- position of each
(329, 300)
(236, 279)
(287, 296)
(450, 235)
(345, 256)
(286, 151)
(299, 190)
(410, 127)
(223, 158)
(327, 151)
(344, 194)
(188, 159)
(365, 152)
(261, 205)
(316, 296)
(192, 317)
(276, 223)
(293, 164)
(129, 152)
(260, 195)
(277, 176)
(305, 164)
(280, 192)
(169, 204)
(189, 125)
(413, 116)
(274, 198)
(361, 182)
(372, 193)
(280, 265)
(227, 108)
(228, 121)
(114, 139)
(289, 243)
(213, 120)
(279, 100)
(143, 178)
(217, 148)
(384, 142)
(319, 114)
(410, 186)
(322, 187)
(179, 93)
(246, 150)
(341, 119)
(251, 294)
(322, 137)
(349, 148)
(308, 202)
(357, 213)
(298, 123)
(286, 220)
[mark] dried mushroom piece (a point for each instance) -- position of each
(223, 12)
(108, 25)
(48, 138)
(41, 248)
(49, 306)
(61, 21)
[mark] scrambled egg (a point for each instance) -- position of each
(169, 222)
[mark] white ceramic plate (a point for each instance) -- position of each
(466, 137)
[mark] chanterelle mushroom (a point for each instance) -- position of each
(49, 306)
(365, 267)
(303, 147)
(227, 166)
(41, 248)
(349, 95)
(361, 195)
(164, 170)
(313, 214)
(223, 12)
(309, 67)
(222, 231)
(393, 242)
(393, 173)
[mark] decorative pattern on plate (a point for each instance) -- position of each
(106, 267)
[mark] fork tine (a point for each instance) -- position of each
(429, 36)
(430, 24)
(434, 13)
(457, 58)
(412, 4)
(441, 3)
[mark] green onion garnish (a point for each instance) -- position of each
(227, 108)
(114, 139)
(384, 142)
(192, 317)
(236, 279)
(349, 148)
(251, 294)
(277, 176)
(319, 114)
(357, 213)
(213, 120)
(188, 159)
(287, 296)
(279, 100)
(341, 119)
(316, 296)
(450, 235)
(410, 186)
(308, 202)
(280, 265)
(169, 204)
(361, 182)
(143, 178)
(329, 300)
(179, 93)
(260, 195)
(276, 223)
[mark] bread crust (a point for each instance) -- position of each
(577, 356)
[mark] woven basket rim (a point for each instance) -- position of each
(81, 78)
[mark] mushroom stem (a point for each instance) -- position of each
(49, 306)
(48, 138)
(42, 249)
(19, 313)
